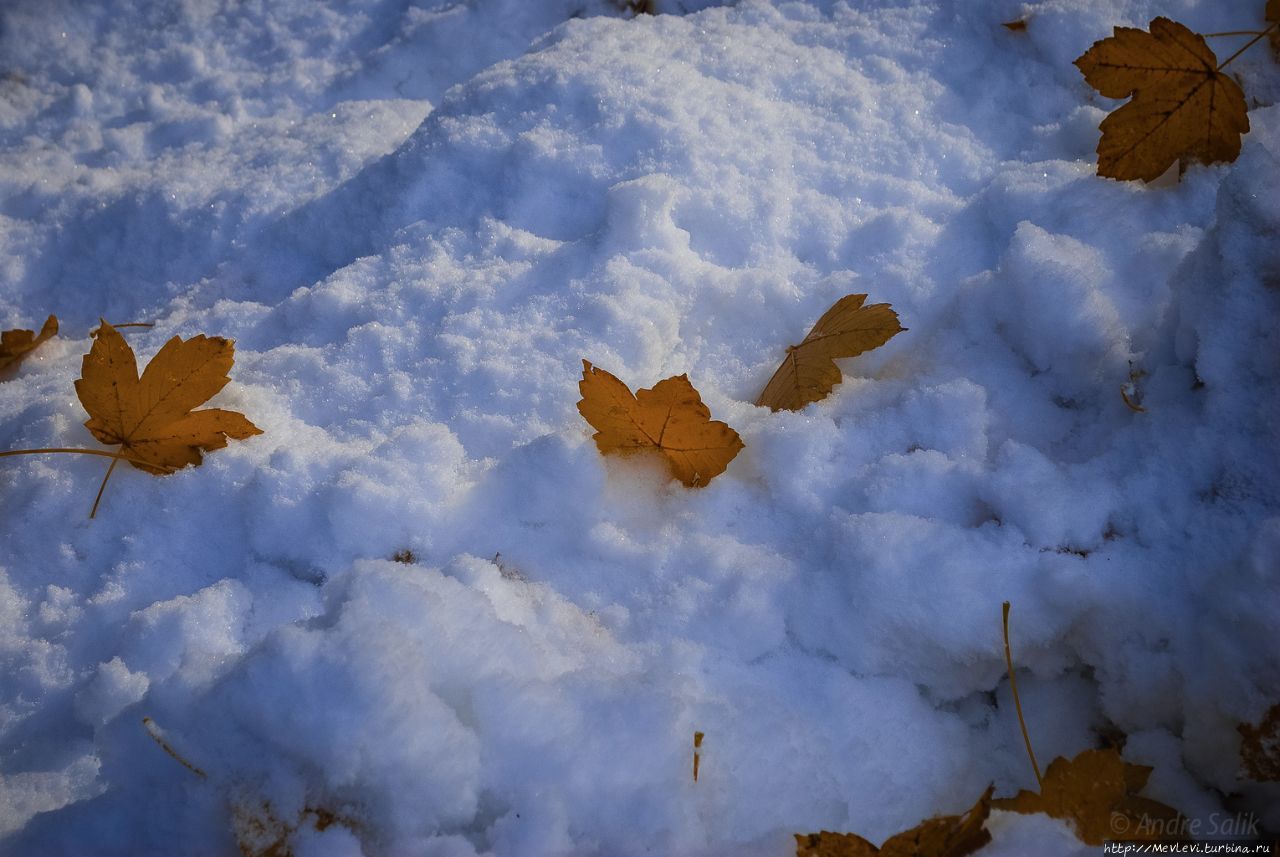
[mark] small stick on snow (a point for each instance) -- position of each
(154, 731)
(697, 745)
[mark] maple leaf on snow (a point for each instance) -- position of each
(1182, 105)
(669, 419)
(942, 836)
(1097, 792)
(152, 417)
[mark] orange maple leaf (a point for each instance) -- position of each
(808, 372)
(17, 344)
(1097, 793)
(152, 417)
(669, 419)
(1183, 106)
(942, 836)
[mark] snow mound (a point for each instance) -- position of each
(415, 246)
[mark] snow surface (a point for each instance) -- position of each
(416, 218)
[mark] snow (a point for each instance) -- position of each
(416, 219)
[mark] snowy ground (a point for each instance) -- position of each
(416, 218)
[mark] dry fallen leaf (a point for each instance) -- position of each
(808, 372)
(1260, 747)
(1272, 16)
(1131, 391)
(259, 833)
(944, 836)
(17, 344)
(670, 419)
(1097, 793)
(151, 417)
(1182, 107)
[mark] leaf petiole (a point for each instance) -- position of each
(78, 451)
(1017, 703)
(94, 332)
(116, 458)
(1247, 45)
(103, 487)
(154, 731)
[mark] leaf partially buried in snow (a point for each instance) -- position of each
(1260, 747)
(152, 417)
(669, 419)
(17, 344)
(259, 833)
(1182, 107)
(945, 836)
(808, 372)
(1096, 792)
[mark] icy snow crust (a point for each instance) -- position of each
(414, 247)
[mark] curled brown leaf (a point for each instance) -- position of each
(808, 373)
(17, 344)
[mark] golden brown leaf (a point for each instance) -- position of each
(944, 836)
(670, 419)
(828, 844)
(1096, 792)
(1272, 16)
(1183, 106)
(808, 372)
(1260, 747)
(1015, 26)
(152, 417)
(17, 344)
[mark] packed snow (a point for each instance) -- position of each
(422, 615)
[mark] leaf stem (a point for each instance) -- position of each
(94, 332)
(154, 732)
(1013, 686)
(102, 487)
(1235, 33)
(116, 458)
(1247, 45)
(78, 451)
